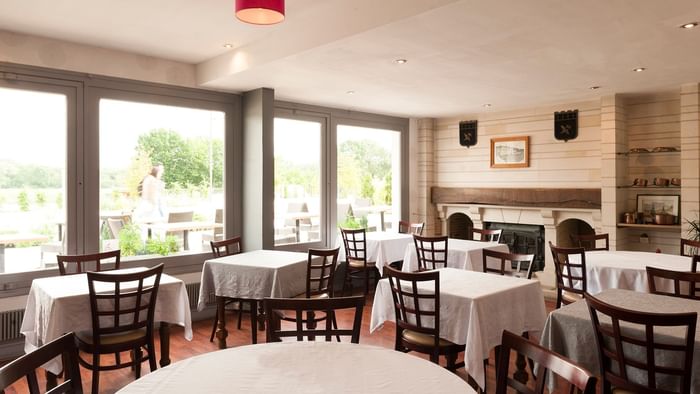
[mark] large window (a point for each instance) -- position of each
(32, 179)
(161, 177)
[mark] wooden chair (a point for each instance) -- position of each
(590, 241)
(26, 365)
(357, 266)
(431, 252)
(223, 248)
(320, 272)
(410, 228)
(275, 308)
(685, 284)
(418, 316)
(487, 235)
(693, 245)
(122, 320)
(179, 217)
(511, 258)
(546, 360)
(571, 275)
(694, 263)
(615, 357)
(80, 261)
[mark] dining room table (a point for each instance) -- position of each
(302, 367)
(461, 254)
(475, 308)
(60, 304)
(569, 330)
(251, 276)
(627, 269)
(383, 247)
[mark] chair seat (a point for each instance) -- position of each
(357, 263)
(570, 297)
(621, 391)
(421, 339)
(314, 296)
(124, 337)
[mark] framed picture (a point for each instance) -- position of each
(652, 204)
(510, 152)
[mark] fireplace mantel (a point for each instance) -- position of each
(525, 197)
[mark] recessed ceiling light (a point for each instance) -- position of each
(228, 46)
(350, 92)
(639, 69)
(689, 25)
(594, 87)
(401, 61)
(487, 105)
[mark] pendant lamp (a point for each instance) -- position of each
(260, 12)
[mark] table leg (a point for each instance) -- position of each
(381, 219)
(254, 320)
(221, 332)
(298, 229)
(51, 381)
(185, 242)
(164, 332)
(2, 257)
(60, 231)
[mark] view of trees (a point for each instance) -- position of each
(16, 175)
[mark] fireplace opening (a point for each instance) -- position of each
(523, 239)
(570, 227)
(459, 226)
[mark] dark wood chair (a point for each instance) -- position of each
(694, 263)
(690, 247)
(122, 308)
(431, 252)
(410, 228)
(356, 264)
(614, 342)
(223, 248)
(276, 308)
(418, 316)
(82, 262)
(589, 242)
(320, 272)
(486, 235)
(546, 360)
(571, 274)
(509, 258)
(685, 284)
(26, 366)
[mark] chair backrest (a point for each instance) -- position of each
(26, 366)
(571, 273)
(123, 302)
(410, 228)
(296, 207)
(486, 235)
(431, 252)
(510, 258)
(82, 262)
(417, 309)
(546, 360)
(320, 270)
(179, 217)
(694, 263)
(355, 242)
(689, 247)
(615, 340)
(685, 284)
(275, 308)
(115, 226)
(226, 247)
(589, 242)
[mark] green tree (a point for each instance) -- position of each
(23, 201)
(40, 199)
(371, 158)
(367, 189)
(387, 189)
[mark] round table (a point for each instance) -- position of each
(302, 367)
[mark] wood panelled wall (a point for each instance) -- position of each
(553, 163)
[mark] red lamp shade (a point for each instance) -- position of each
(260, 12)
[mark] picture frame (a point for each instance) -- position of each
(651, 204)
(510, 152)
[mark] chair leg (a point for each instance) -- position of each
(335, 324)
(240, 313)
(152, 356)
(366, 282)
(213, 329)
(451, 361)
(95, 373)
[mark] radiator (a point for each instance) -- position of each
(10, 321)
(193, 295)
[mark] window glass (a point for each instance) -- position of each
(161, 178)
(32, 179)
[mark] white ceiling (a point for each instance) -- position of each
(461, 53)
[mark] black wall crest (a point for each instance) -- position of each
(566, 125)
(467, 133)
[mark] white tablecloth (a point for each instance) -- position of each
(461, 253)
(61, 304)
(475, 308)
(627, 270)
(255, 275)
(302, 367)
(382, 247)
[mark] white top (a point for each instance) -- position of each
(475, 308)
(461, 253)
(382, 247)
(302, 367)
(61, 304)
(256, 275)
(627, 270)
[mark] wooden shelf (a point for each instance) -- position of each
(648, 153)
(648, 187)
(668, 227)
